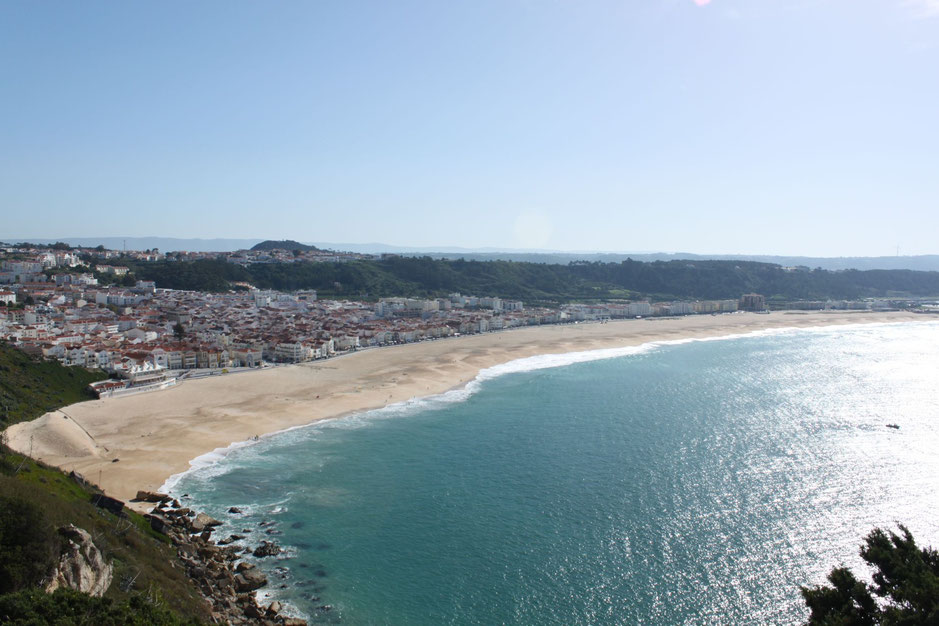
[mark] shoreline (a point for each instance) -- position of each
(564, 359)
(158, 437)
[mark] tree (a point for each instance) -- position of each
(905, 589)
(179, 330)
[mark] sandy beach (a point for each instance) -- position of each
(137, 442)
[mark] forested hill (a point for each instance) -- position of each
(287, 244)
(534, 282)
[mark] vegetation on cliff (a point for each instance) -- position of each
(33, 607)
(30, 387)
(36, 501)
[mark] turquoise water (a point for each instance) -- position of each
(698, 483)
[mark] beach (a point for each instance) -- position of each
(139, 441)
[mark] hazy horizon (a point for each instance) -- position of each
(250, 241)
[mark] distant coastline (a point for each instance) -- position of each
(918, 262)
(156, 436)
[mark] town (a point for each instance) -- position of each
(55, 306)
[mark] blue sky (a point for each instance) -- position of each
(791, 127)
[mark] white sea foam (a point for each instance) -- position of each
(205, 463)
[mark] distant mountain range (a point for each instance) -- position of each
(927, 262)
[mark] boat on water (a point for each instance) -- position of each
(894, 426)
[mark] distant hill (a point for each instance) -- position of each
(922, 263)
(286, 244)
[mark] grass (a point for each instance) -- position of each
(30, 387)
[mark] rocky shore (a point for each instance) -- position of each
(225, 580)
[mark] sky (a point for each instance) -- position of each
(802, 127)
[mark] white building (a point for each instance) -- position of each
(491, 303)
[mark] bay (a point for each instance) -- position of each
(697, 483)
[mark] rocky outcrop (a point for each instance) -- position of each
(227, 584)
(203, 522)
(249, 579)
(267, 548)
(81, 565)
(151, 496)
(110, 504)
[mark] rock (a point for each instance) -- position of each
(107, 503)
(81, 565)
(293, 621)
(234, 509)
(274, 609)
(206, 535)
(231, 553)
(196, 526)
(267, 548)
(245, 566)
(206, 521)
(182, 511)
(250, 580)
(158, 523)
(230, 539)
(208, 552)
(151, 496)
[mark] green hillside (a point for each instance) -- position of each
(35, 500)
(30, 387)
(148, 587)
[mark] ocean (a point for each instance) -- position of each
(696, 482)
